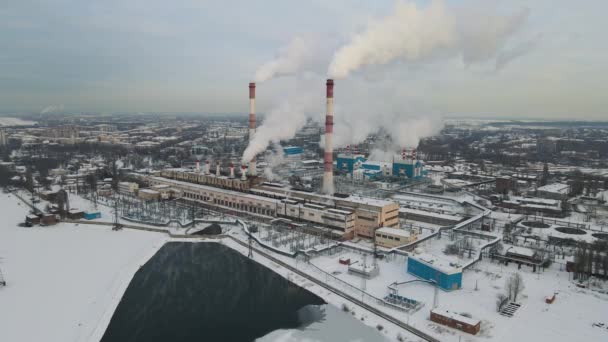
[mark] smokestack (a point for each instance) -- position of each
(231, 170)
(217, 169)
(198, 166)
(207, 170)
(252, 124)
(328, 160)
(243, 173)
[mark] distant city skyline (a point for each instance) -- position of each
(197, 57)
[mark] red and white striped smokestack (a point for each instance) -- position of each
(252, 124)
(231, 170)
(328, 160)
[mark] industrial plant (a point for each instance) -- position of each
(411, 234)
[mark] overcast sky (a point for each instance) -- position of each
(198, 55)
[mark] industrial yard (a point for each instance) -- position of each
(436, 262)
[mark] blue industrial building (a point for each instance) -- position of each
(446, 275)
(372, 169)
(292, 150)
(349, 162)
(408, 168)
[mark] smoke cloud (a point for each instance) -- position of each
(289, 60)
(274, 158)
(280, 124)
(377, 102)
(412, 33)
(52, 109)
(517, 51)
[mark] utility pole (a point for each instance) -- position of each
(250, 253)
(436, 296)
(117, 225)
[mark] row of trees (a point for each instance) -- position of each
(514, 285)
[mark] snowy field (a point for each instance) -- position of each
(64, 281)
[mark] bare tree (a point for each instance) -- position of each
(501, 301)
(515, 285)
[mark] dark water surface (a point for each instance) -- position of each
(207, 292)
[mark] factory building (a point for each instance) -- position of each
(446, 275)
(293, 153)
(206, 178)
(349, 162)
(556, 191)
(456, 320)
(429, 217)
(394, 237)
(371, 213)
(409, 168)
(341, 219)
(127, 187)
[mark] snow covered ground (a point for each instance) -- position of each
(64, 281)
(571, 316)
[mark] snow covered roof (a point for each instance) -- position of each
(370, 201)
(440, 264)
(455, 316)
(558, 188)
(149, 191)
(522, 251)
(429, 213)
(394, 231)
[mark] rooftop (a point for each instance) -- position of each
(394, 231)
(455, 316)
(440, 264)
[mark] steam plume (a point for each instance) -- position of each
(52, 109)
(282, 123)
(289, 60)
(412, 33)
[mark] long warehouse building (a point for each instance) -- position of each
(352, 215)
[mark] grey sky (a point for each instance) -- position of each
(197, 56)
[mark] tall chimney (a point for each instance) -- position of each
(243, 173)
(198, 166)
(207, 170)
(252, 124)
(217, 169)
(328, 160)
(231, 170)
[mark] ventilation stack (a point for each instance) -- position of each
(231, 170)
(252, 125)
(328, 160)
(217, 169)
(207, 170)
(243, 173)
(198, 166)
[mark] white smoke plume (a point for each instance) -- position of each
(281, 123)
(52, 109)
(274, 159)
(412, 33)
(289, 60)
(506, 56)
